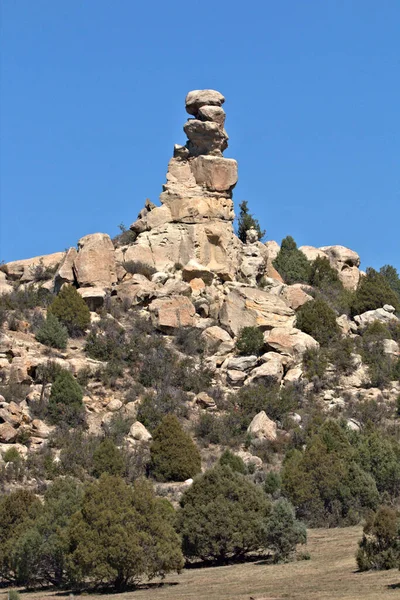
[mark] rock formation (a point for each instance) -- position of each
(194, 221)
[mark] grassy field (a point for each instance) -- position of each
(329, 575)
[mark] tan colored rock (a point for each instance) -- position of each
(241, 363)
(65, 272)
(295, 296)
(19, 370)
(213, 337)
(312, 253)
(344, 323)
(198, 98)
(245, 307)
(205, 137)
(212, 113)
(20, 448)
(5, 287)
(215, 173)
(95, 264)
(271, 369)
(169, 314)
(39, 429)
(114, 405)
(350, 277)
(197, 285)
(391, 347)
(340, 256)
(380, 314)
(346, 262)
(194, 270)
(294, 375)
(93, 296)
(7, 433)
(289, 341)
(236, 377)
(273, 249)
(262, 428)
(139, 432)
(205, 401)
(24, 270)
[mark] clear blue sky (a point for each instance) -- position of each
(92, 101)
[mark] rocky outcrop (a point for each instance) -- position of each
(28, 269)
(346, 262)
(94, 265)
(252, 307)
(384, 315)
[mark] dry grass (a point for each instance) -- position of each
(329, 575)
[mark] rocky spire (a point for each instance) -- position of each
(199, 180)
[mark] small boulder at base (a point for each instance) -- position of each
(262, 427)
(169, 314)
(139, 432)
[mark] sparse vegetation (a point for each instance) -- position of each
(71, 310)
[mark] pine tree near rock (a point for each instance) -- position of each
(246, 221)
(65, 402)
(71, 310)
(222, 516)
(373, 292)
(173, 454)
(291, 263)
(52, 333)
(122, 535)
(379, 547)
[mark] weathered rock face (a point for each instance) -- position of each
(384, 315)
(346, 262)
(252, 307)
(169, 314)
(94, 265)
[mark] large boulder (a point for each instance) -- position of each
(312, 253)
(346, 262)
(138, 432)
(295, 296)
(271, 369)
(262, 428)
(215, 173)
(289, 341)
(7, 433)
(169, 314)
(252, 307)
(215, 336)
(65, 272)
(384, 315)
(95, 266)
(198, 98)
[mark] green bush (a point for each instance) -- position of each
(291, 263)
(40, 551)
(222, 516)
(13, 595)
(107, 341)
(125, 237)
(250, 340)
(52, 333)
(154, 407)
(71, 310)
(272, 483)
(65, 402)
(322, 275)
(108, 459)
(232, 461)
(246, 221)
(173, 454)
(325, 483)
(283, 531)
(373, 292)
(379, 547)
(122, 535)
(392, 277)
(318, 320)
(16, 509)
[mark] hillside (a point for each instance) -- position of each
(287, 357)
